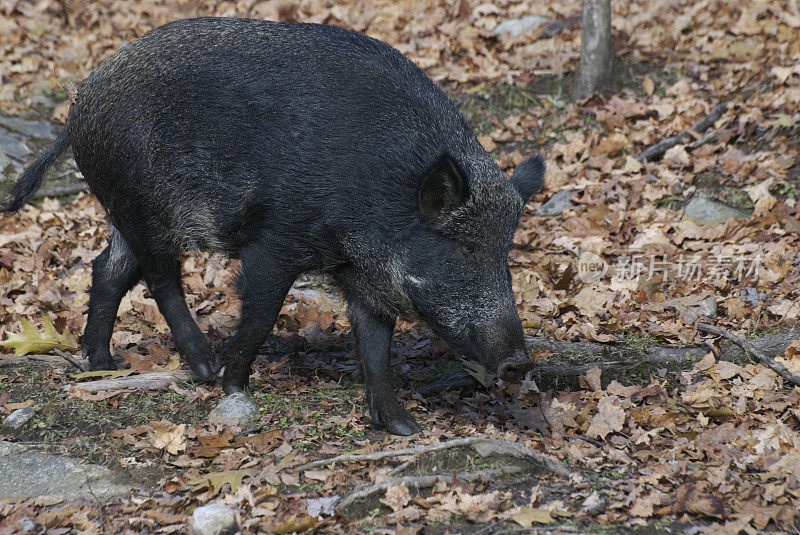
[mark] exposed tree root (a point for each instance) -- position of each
(749, 349)
(422, 482)
(608, 356)
(604, 356)
(654, 151)
(483, 446)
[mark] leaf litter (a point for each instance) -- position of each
(716, 444)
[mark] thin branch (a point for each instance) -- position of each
(594, 442)
(142, 381)
(68, 358)
(661, 147)
(779, 368)
(703, 140)
(712, 117)
(60, 191)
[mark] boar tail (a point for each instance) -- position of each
(30, 180)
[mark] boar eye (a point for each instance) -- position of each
(468, 249)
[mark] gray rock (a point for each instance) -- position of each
(13, 147)
(751, 296)
(26, 524)
(517, 27)
(9, 448)
(28, 473)
(215, 519)
(29, 129)
(236, 409)
(556, 204)
(324, 506)
(707, 210)
(19, 417)
(707, 307)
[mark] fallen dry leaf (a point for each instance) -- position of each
(32, 340)
(167, 436)
(610, 418)
(397, 497)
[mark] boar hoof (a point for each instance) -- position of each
(102, 363)
(395, 422)
(401, 427)
(203, 368)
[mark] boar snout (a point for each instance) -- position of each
(514, 367)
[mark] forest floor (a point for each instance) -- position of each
(707, 231)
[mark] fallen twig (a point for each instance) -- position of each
(594, 442)
(654, 151)
(68, 358)
(483, 446)
(52, 361)
(779, 368)
(703, 140)
(142, 381)
(60, 191)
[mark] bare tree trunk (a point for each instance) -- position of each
(596, 68)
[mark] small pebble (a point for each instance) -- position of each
(19, 417)
(215, 519)
(556, 204)
(26, 524)
(236, 409)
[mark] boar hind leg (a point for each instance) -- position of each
(114, 272)
(264, 281)
(163, 280)
(373, 332)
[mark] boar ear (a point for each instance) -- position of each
(528, 177)
(443, 189)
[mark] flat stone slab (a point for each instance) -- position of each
(708, 210)
(27, 473)
(27, 128)
(16, 133)
(556, 204)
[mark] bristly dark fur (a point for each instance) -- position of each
(295, 147)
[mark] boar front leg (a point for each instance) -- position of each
(373, 332)
(264, 280)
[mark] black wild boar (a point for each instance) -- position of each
(294, 147)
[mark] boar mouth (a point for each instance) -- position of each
(509, 368)
(513, 368)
